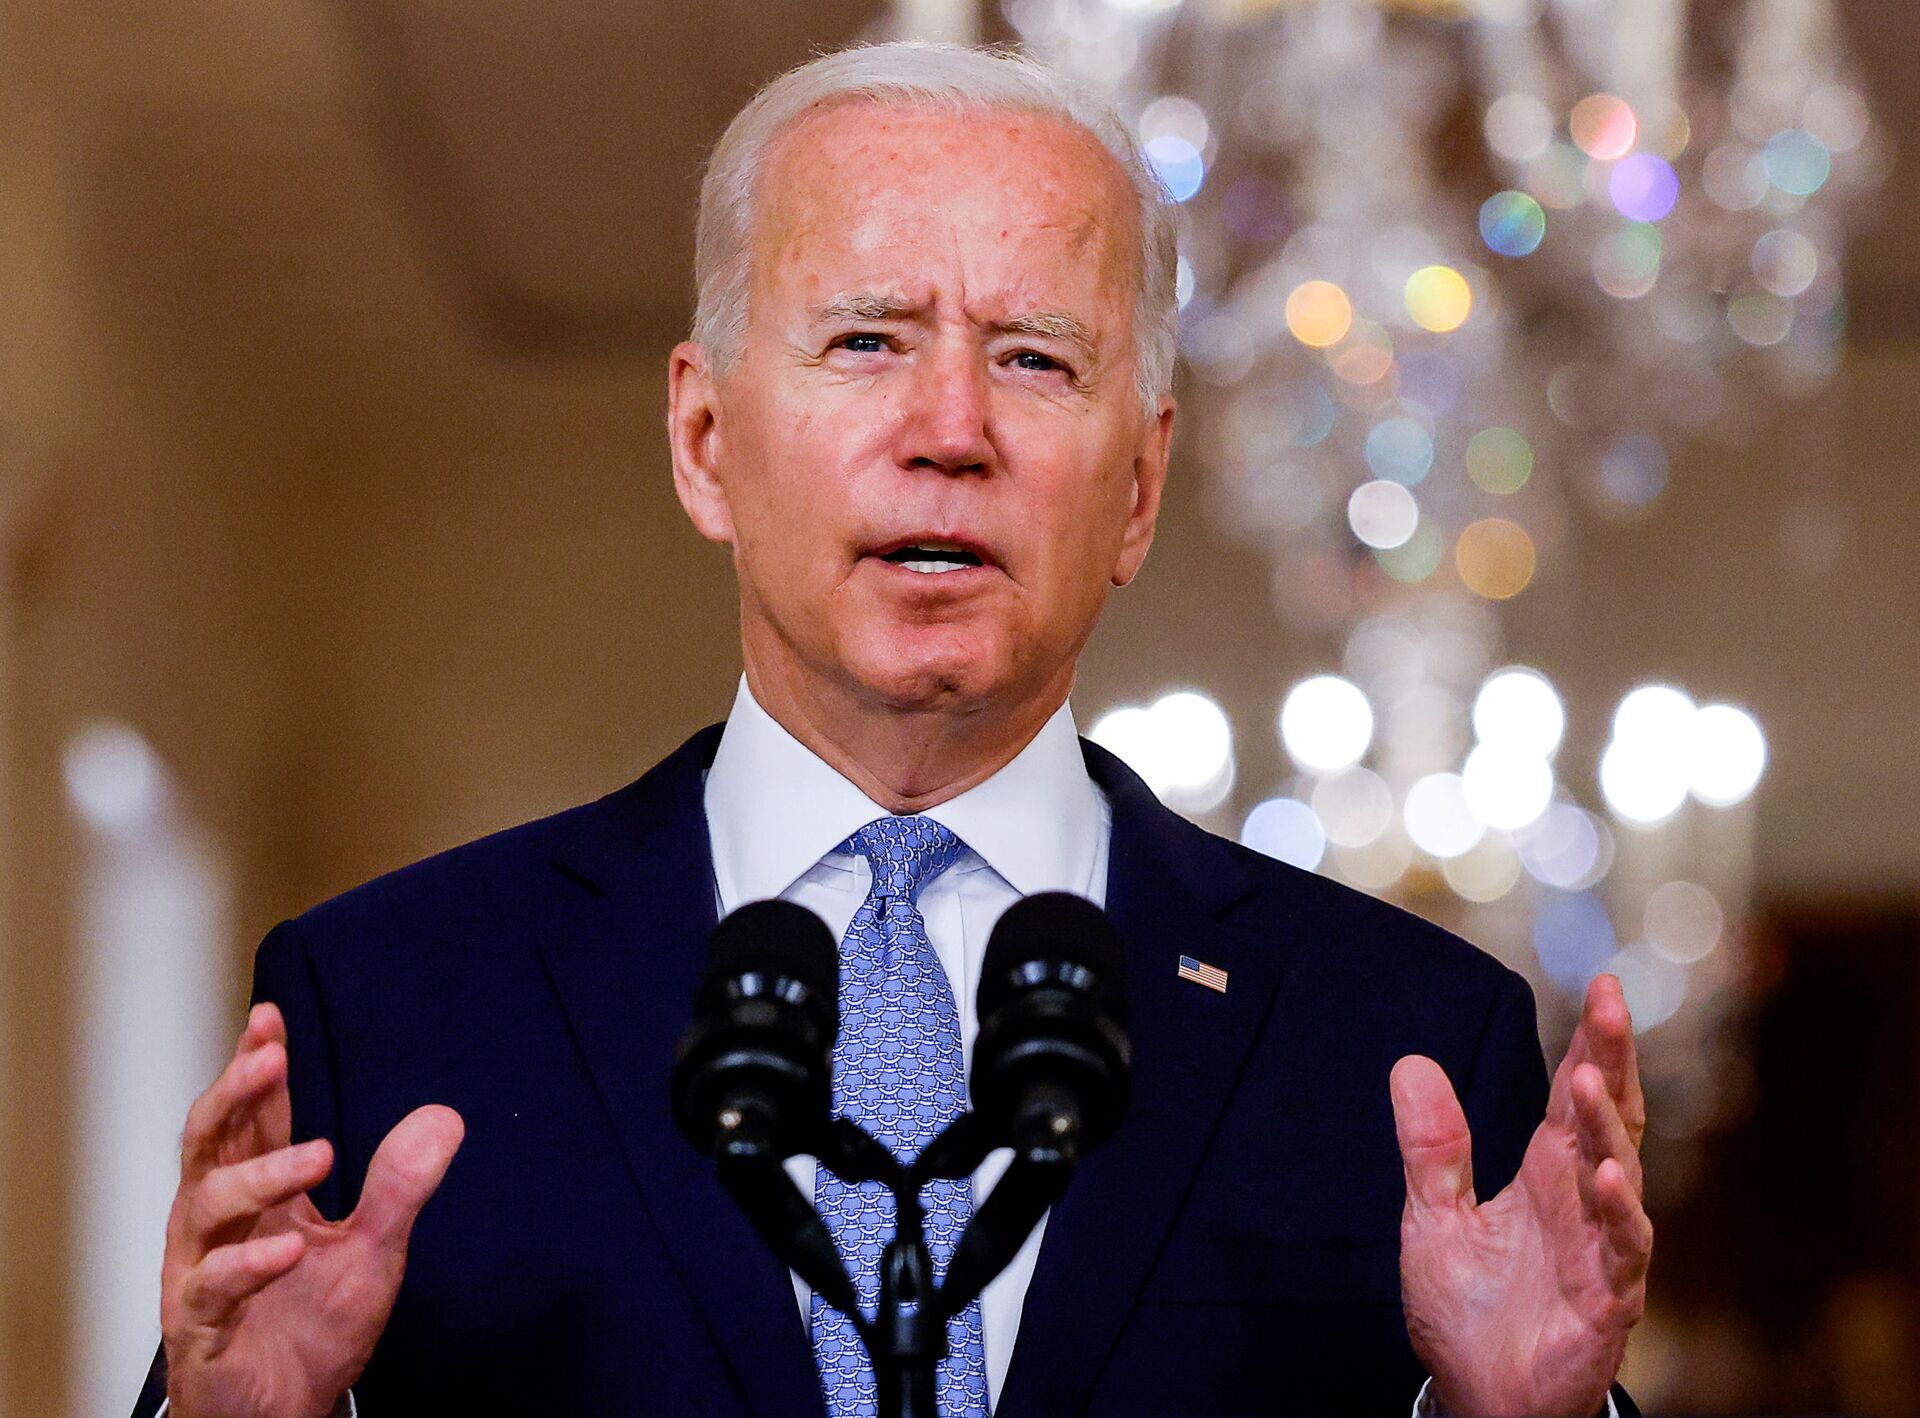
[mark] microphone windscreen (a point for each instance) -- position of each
(775, 937)
(1054, 927)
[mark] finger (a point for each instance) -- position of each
(1600, 1133)
(405, 1171)
(232, 1273)
(1436, 1147)
(274, 1117)
(217, 1116)
(1560, 1095)
(1628, 1231)
(1608, 1027)
(225, 1204)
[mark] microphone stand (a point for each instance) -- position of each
(908, 1336)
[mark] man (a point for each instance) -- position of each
(927, 407)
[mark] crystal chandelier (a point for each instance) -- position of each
(1458, 277)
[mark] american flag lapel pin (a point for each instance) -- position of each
(1201, 973)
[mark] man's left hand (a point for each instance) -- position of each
(1522, 1305)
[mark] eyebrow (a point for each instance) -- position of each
(867, 305)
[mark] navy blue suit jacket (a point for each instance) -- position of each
(1233, 1249)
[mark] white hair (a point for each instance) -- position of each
(941, 76)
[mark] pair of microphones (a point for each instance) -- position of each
(753, 1086)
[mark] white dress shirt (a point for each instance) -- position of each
(776, 813)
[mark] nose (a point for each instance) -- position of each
(944, 426)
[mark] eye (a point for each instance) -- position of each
(1037, 362)
(862, 342)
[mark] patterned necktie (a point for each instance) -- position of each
(898, 1072)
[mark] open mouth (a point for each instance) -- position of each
(932, 560)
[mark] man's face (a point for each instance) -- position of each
(930, 460)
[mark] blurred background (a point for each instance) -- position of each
(1541, 552)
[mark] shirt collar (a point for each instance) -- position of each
(774, 809)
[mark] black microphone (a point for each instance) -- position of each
(753, 1077)
(757, 1060)
(1051, 1064)
(1050, 1072)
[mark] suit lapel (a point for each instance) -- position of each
(625, 966)
(1168, 885)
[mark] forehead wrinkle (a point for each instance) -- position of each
(802, 196)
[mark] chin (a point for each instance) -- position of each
(930, 669)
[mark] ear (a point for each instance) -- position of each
(1149, 481)
(693, 434)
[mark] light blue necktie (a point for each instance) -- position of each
(898, 1072)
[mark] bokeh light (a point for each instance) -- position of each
(1319, 314)
(1760, 317)
(1655, 712)
(1797, 162)
(1182, 745)
(1438, 298)
(1633, 469)
(1665, 129)
(1484, 872)
(1735, 177)
(1729, 755)
(1439, 818)
(1173, 116)
(1520, 710)
(114, 778)
(1382, 514)
(1499, 460)
(1603, 127)
(1682, 921)
(1568, 847)
(1645, 772)
(1178, 164)
(1364, 356)
(1417, 558)
(1506, 788)
(1837, 116)
(1573, 937)
(1653, 987)
(1627, 263)
(1495, 558)
(1518, 127)
(1557, 177)
(1401, 450)
(1354, 805)
(1785, 262)
(1643, 187)
(1512, 224)
(1326, 724)
(1376, 866)
(1643, 782)
(1287, 830)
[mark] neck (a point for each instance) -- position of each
(906, 760)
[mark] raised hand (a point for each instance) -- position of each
(1522, 1304)
(267, 1309)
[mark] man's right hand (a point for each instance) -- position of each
(267, 1309)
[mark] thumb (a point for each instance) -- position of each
(405, 1171)
(1435, 1146)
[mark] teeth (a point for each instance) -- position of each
(932, 568)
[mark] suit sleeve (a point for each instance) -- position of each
(1505, 1091)
(283, 974)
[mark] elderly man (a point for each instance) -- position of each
(927, 408)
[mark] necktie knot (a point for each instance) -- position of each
(905, 853)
